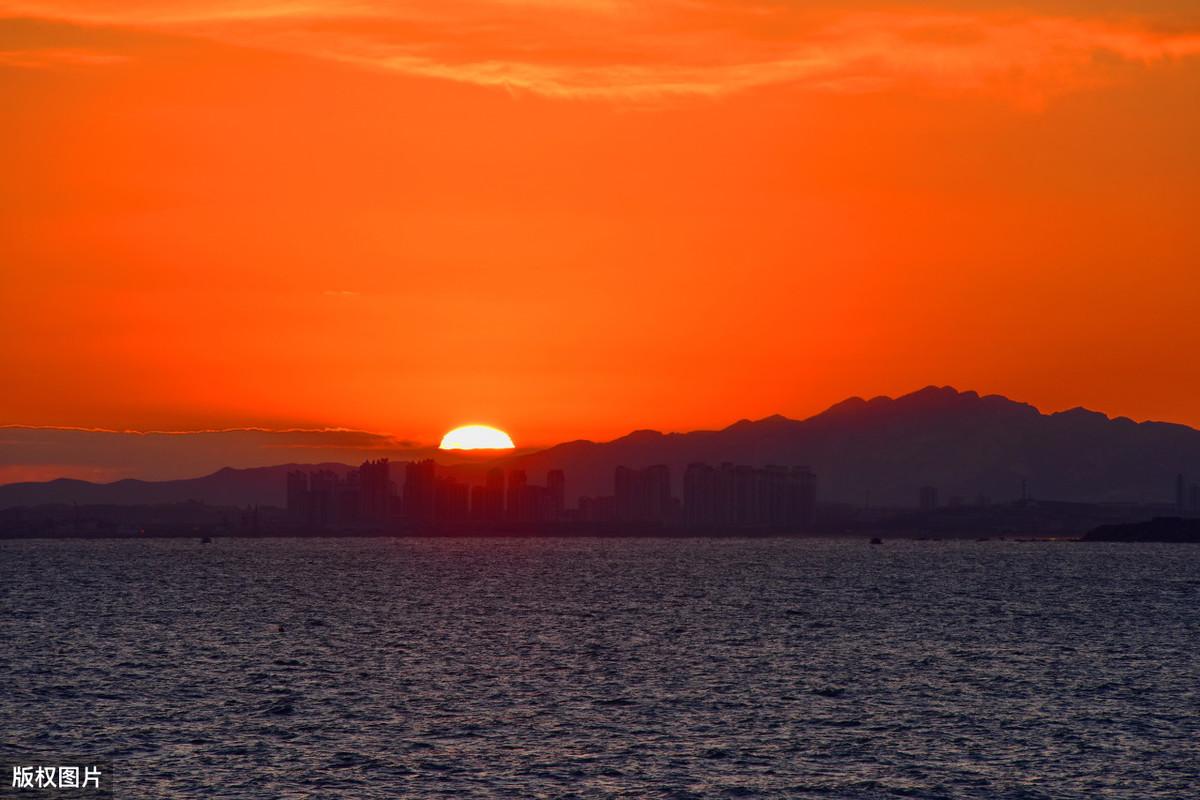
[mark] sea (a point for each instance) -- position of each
(604, 667)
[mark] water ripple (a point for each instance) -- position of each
(606, 668)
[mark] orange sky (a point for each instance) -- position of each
(578, 217)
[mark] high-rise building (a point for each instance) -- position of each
(325, 499)
(656, 502)
(493, 507)
(516, 498)
(323, 489)
(792, 495)
(804, 481)
(643, 495)
(450, 499)
(745, 496)
(375, 490)
(1180, 505)
(556, 487)
(700, 495)
(420, 490)
(598, 509)
(478, 499)
(322, 499)
(623, 492)
(347, 508)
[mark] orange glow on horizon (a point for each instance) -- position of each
(588, 217)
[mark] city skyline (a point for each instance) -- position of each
(932, 449)
(422, 498)
(430, 496)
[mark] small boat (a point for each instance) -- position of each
(206, 540)
(876, 540)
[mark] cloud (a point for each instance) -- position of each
(39, 453)
(647, 51)
(46, 58)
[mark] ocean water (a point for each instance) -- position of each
(526, 668)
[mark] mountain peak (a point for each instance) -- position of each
(849, 405)
(643, 435)
(1081, 413)
(773, 421)
(931, 397)
(937, 395)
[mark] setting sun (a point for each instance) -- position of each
(476, 437)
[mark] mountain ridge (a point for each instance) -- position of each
(880, 450)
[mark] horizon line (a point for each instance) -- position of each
(404, 444)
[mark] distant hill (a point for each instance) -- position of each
(963, 444)
(225, 487)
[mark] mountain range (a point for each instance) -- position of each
(878, 451)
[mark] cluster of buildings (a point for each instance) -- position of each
(368, 497)
(749, 496)
(324, 499)
(639, 495)
(503, 497)
(727, 496)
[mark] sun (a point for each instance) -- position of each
(476, 437)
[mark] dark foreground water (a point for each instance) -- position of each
(606, 668)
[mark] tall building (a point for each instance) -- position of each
(623, 492)
(699, 495)
(643, 495)
(598, 509)
(556, 486)
(745, 496)
(791, 496)
(420, 490)
(657, 502)
(1180, 504)
(347, 505)
(323, 499)
(375, 490)
(478, 500)
(323, 490)
(451, 499)
(491, 497)
(516, 498)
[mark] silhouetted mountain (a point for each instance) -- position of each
(963, 444)
(225, 487)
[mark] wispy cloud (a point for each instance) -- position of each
(611, 49)
(47, 58)
(30, 452)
